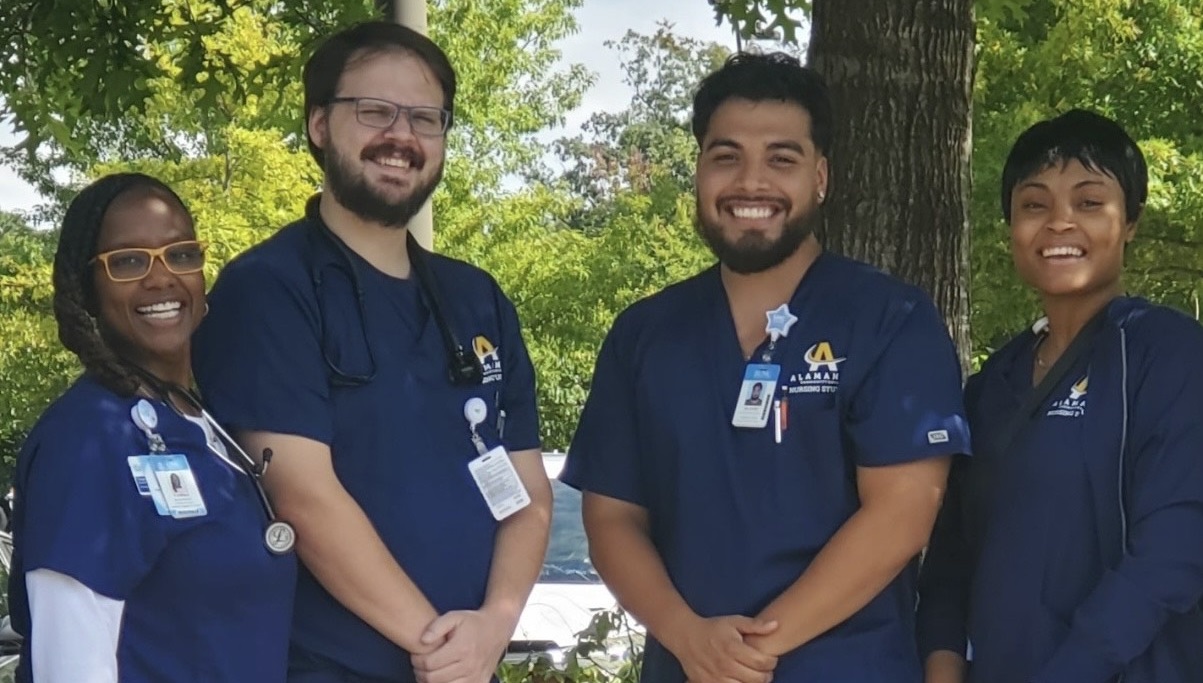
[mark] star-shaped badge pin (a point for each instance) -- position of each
(780, 320)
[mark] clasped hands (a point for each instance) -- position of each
(462, 647)
(724, 650)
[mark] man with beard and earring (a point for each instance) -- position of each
(408, 462)
(774, 541)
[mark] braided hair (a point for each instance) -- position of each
(75, 305)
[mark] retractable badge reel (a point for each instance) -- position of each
(492, 471)
(145, 418)
(143, 415)
(757, 393)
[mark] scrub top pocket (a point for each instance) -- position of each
(812, 475)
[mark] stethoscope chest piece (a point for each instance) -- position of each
(279, 537)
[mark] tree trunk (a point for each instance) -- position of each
(901, 79)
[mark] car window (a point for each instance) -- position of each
(568, 551)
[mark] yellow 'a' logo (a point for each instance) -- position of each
(483, 348)
(821, 355)
(1078, 390)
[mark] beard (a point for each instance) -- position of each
(354, 193)
(755, 253)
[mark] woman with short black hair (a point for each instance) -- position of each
(1070, 546)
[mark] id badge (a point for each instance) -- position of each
(178, 486)
(756, 395)
(147, 483)
(499, 483)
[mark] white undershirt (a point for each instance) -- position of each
(75, 630)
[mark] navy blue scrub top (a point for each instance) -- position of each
(872, 379)
(1033, 568)
(400, 443)
(204, 598)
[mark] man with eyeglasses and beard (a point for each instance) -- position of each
(774, 544)
(328, 347)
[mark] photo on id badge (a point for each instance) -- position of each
(756, 395)
(178, 487)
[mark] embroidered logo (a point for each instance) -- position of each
(822, 375)
(1075, 404)
(490, 358)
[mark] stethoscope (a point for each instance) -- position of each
(279, 536)
(463, 368)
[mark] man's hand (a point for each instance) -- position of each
(714, 651)
(468, 645)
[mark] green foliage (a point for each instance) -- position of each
(569, 285)
(172, 75)
(508, 86)
(34, 368)
(239, 197)
(754, 18)
(647, 147)
(178, 75)
(575, 248)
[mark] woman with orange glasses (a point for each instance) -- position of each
(144, 549)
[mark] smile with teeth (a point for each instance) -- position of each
(1061, 252)
(394, 162)
(752, 212)
(164, 310)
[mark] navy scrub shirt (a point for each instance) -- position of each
(204, 598)
(871, 378)
(400, 443)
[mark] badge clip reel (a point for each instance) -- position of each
(757, 393)
(146, 419)
(140, 466)
(492, 470)
(475, 412)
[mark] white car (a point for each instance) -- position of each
(569, 593)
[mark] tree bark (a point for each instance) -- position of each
(901, 79)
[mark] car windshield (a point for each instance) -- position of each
(568, 551)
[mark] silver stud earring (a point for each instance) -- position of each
(821, 196)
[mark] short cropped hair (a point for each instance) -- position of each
(329, 62)
(1094, 140)
(761, 77)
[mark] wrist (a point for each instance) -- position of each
(672, 631)
(413, 626)
(505, 613)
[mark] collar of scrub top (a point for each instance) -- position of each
(463, 368)
(165, 390)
